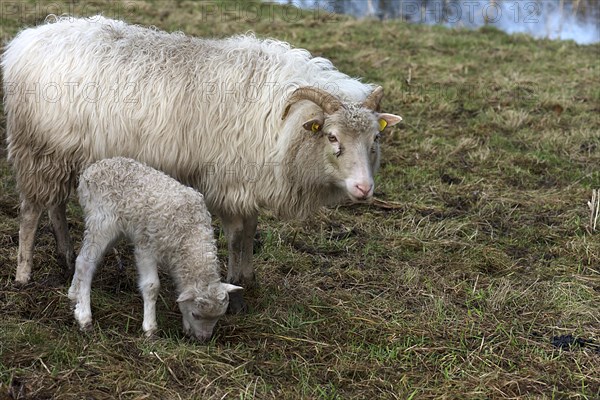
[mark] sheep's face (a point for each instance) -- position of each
(346, 133)
(350, 142)
(201, 309)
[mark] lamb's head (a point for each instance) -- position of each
(341, 138)
(202, 308)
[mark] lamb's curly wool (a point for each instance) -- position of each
(169, 226)
(156, 212)
(207, 112)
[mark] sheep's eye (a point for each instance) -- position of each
(196, 315)
(377, 137)
(332, 139)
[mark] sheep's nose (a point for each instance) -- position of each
(364, 189)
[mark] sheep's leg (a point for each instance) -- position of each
(240, 233)
(64, 247)
(81, 287)
(98, 238)
(30, 215)
(149, 285)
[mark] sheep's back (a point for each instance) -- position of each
(150, 207)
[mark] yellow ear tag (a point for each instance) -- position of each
(382, 124)
(315, 127)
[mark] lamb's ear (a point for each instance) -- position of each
(231, 288)
(386, 120)
(186, 296)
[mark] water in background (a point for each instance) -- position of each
(578, 20)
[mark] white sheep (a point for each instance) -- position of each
(252, 124)
(169, 226)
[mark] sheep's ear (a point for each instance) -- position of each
(387, 120)
(186, 296)
(231, 288)
(314, 125)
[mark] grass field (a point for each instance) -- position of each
(454, 285)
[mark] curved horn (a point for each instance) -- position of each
(328, 102)
(372, 101)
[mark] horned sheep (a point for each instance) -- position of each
(169, 226)
(253, 124)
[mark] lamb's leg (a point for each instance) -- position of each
(30, 215)
(97, 240)
(64, 247)
(149, 286)
(240, 233)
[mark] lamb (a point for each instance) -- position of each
(168, 224)
(254, 125)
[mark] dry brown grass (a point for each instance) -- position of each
(453, 287)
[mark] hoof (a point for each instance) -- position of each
(237, 305)
(22, 280)
(67, 265)
(151, 338)
(151, 334)
(86, 328)
(20, 284)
